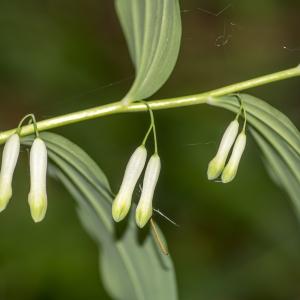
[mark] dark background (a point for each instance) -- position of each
(237, 241)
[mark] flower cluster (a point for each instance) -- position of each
(229, 139)
(134, 168)
(37, 197)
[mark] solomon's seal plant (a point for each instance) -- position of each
(132, 270)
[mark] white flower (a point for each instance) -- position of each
(9, 160)
(144, 208)
(37, 197)
(133, 171)
(231, 168)
(216, 165)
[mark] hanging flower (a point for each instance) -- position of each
(9, 160)
(232, 166)
(134, 168)
(216, 165)
(37, 197)
(144, 208)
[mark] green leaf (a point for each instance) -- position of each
(152, 30)
(132, 266)
(277, 137)
(278, 170)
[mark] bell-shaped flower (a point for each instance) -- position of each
(230, 169)
(216, 165)
(144, 207)
(9, 160)
(134, 168)
(37, 197)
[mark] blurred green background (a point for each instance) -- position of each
(239, 241)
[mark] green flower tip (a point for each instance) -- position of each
(214, 169)
(5, 196)
(228, 174)
(38, 206)
(4, 199)
(142, 216)
(120, 209)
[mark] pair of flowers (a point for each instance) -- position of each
(37, 197)
(134, 168)
(216, 165)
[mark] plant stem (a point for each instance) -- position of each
(118, 107)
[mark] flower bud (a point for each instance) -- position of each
(9, 160)
(144, 208)
(37, 197)
(133, 171)
(216, 165)
(233, 163)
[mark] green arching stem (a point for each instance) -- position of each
(245, 119)
(238, 114)
(33, 119)
(152, 127)
(147, 135)
(242, 109)
(118, 107)
(18, 131)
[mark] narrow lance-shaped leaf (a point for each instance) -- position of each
(152, 30)
(278, 170)
(132, 266)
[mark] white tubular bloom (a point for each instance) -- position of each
(9, 160)
(216, 165)
(233, 163)
(37, 197)
(144, 208)
(134, 168)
